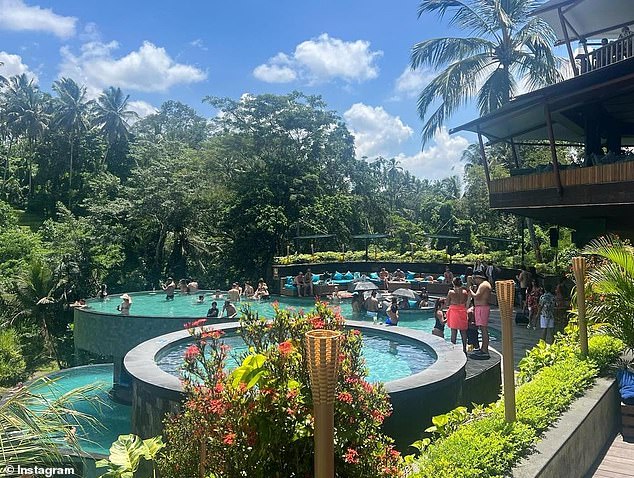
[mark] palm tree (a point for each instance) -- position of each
(111, 117)
(508, 46)
(26, 114)
(611, 284)
(71, 115)
(35, 291)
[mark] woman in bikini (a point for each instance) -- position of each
(457, 312)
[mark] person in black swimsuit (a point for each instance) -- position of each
(439, 326)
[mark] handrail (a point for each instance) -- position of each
(622, 171)
(613, 52)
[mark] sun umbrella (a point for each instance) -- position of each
(407, 293)
(363, 286)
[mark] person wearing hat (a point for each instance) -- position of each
(482, 311)
(229, 309)
(169, 287)
(124, 306)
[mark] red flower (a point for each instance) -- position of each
(317, 323)
(191, 352)
(344, 397)
(195, 323)
(285, 348)
(229, 439)
(212, 334)
(351, 456)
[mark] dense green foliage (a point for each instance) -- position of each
(483, 444)
(12, 364)
(611, 287)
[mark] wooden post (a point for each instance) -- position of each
(483, 156)
(553, 149)
(579, 268)
(571, 55)
(322, 353)
(514, 153)
(505, 291)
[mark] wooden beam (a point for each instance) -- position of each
(483, 156)
(514, 151)
(564, 28)
(553, 149)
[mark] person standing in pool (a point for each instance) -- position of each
(392, 313)
(457, 313)
(248, 290)
(103, 292)
(441, 320)
(229, 310)
(169, 287)
(126, 302)
(213, 311)
(372, 303)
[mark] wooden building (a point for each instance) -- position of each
(593, 109)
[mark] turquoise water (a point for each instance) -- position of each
(386, 359)
(113, 417)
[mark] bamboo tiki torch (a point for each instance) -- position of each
(322, 351)
(506, 297)
(579, 268)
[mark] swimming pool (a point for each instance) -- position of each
(114, 417)
(387, 359)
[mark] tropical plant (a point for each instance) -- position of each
(111, 117)
(127, 453)
(12, 364)
(72, 116)
(508, 47)
(34, 429)
(611, 287)
(231, 422)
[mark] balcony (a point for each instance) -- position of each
(613, 52)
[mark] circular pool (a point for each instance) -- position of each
(419, 387)
(387, 358)
(112, 418)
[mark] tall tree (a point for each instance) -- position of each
(112, 115)
(27, 114)
(72, 116)
(507, 46)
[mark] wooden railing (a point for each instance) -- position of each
(602, 174)
(613, 52)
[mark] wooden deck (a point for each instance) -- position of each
(617, 461)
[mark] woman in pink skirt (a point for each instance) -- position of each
(457, 312)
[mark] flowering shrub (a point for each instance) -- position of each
(257, 420)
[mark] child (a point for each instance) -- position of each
(213, 312)
(472, 331)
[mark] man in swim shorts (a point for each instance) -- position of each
(482, 311)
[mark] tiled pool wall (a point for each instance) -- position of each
(415, 399)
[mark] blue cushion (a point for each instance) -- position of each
(348, 275)
(337, 276)
(463, 278)
(289, 280)
(441, 278)
(315, 278)
(626, 386)
(290, 286)
(410, 275)
(374, 275)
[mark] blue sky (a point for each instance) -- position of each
(354, 54)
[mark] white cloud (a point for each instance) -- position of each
(278, 69)
(13, 66)
(375, 131)
(411, 82)
(142, 108)
(198, 43)
(440, 160)
(320, 60)
(17, 16)
(149, 69)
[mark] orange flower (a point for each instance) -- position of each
(351, 456)
(229, 439)
(285, 348)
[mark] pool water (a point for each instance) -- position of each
(114, 417)
(386, 359)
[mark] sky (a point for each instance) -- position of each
(355, 54)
